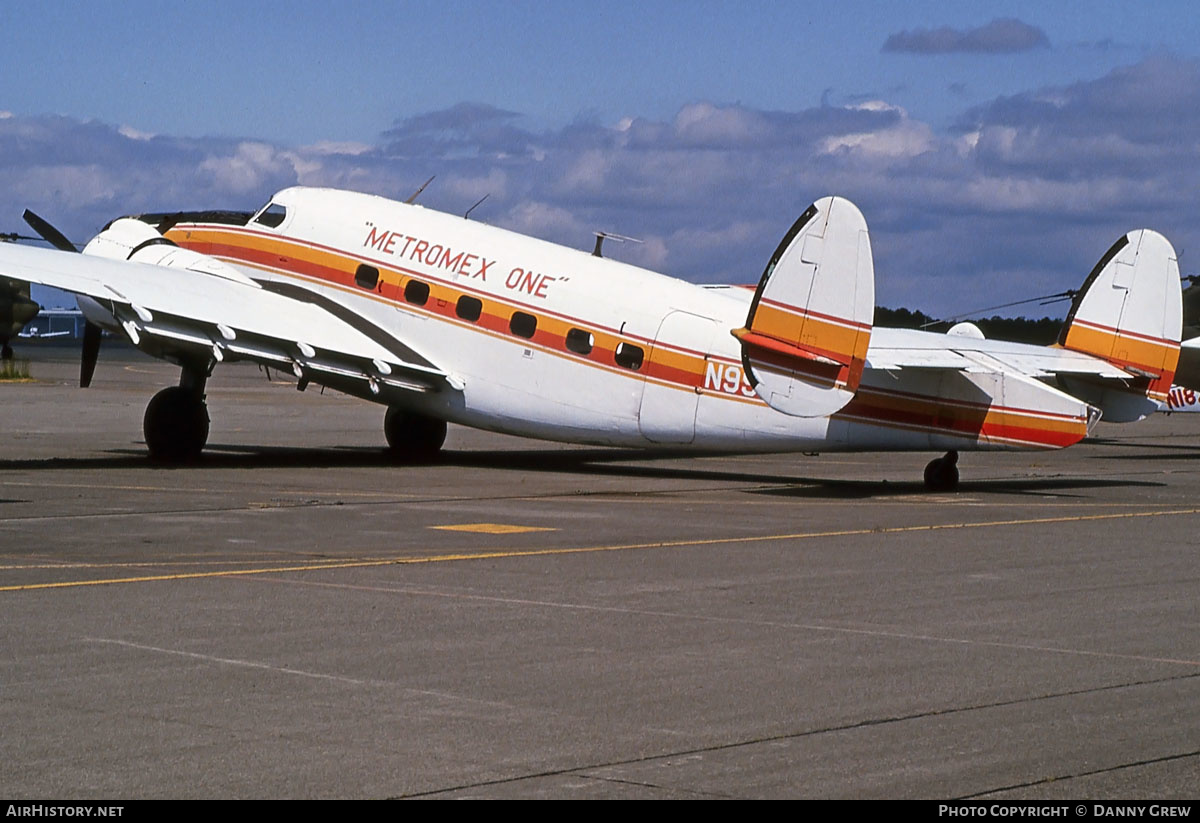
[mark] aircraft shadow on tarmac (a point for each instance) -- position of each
(1138, 451)
(1148, 458)
(862, 489)
(632, 463)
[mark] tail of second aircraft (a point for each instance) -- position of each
(805, 340)
(1130, 313)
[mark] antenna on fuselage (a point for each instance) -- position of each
(467, 216)
(168, 222)
(413, 197)
(1044, 300)
(601, 236)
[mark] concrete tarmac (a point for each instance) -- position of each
(295, 617)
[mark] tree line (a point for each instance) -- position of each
(1018, 329)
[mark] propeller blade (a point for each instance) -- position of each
(91, 353)
(91, 332)
(50, 234)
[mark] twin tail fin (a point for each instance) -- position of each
(1130, 313)
(805, 341)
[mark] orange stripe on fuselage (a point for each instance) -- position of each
(976, 421)
(664, 364)
(242, 245)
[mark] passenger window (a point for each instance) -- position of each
(580, 341)
(416, 292)
(272, 215)
(629, 356)
(366, 276)
(522, 324)
(469, 308)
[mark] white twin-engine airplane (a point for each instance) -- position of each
(444, 319)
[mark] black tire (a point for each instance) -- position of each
(413, 437)
(6, 352)
(941, 475)
(175, 425)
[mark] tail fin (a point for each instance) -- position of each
(805, 340)
(1130, 313)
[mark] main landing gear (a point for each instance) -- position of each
(412, 437)
(176, 421)
(941, 475)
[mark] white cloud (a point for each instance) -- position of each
(66, 186)
(708, 123)
(588, 170)
(1023, 194)
(251, 164)
(472, 187)
(134, 134)
(543, 220)
(905, 138)
(343, 147)
(1000, 36)
(652, 253)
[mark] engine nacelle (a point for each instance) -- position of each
(131, 239)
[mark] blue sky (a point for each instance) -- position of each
(996, 149)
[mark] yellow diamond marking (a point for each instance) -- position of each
(493, 528)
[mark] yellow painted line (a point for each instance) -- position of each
(41, 485)
(493, 528)
(145, 564)
(661, 544)
(193, 490)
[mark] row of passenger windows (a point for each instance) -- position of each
(521, 323)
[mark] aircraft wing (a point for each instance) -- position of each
(186, 313)
(39, 336)
(900, 349)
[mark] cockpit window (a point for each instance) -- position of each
(272, 215)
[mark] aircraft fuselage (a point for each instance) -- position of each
(554, 343)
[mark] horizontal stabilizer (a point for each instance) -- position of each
(805, 340)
